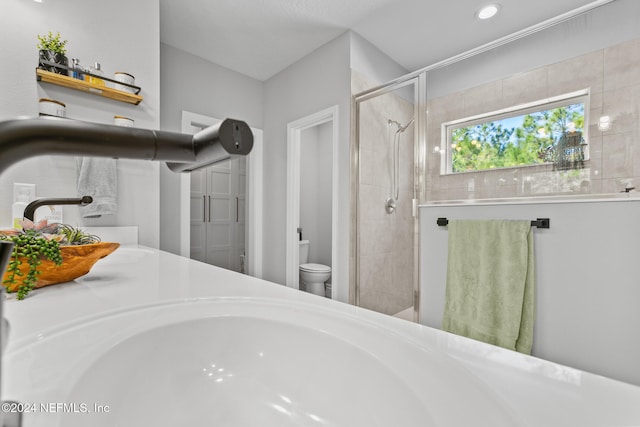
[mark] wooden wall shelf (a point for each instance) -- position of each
(81, 85)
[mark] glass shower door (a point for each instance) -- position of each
(386, 264)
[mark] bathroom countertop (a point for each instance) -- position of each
(538, 392)
(132, 275)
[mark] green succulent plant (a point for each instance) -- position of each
(53, 43)
(34, 243)
(75, 236)
(32, 246)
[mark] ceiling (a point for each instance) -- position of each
(260, 38)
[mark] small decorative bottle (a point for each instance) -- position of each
(95, 71)
(76, 69)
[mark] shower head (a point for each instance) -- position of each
(393, 122)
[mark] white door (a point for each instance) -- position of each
(232, 210)
(217, 212)
(225, 229)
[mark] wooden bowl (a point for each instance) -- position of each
(77, 260)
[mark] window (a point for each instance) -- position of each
(547, 131)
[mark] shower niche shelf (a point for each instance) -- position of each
(81, 85)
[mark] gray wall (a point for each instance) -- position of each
(113, 38)
(376, 66)
(316, 82)
(188, 82)
(587, 289)
(193, 84)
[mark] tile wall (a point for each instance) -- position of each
(612, 76)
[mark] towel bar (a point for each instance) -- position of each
(539, 222)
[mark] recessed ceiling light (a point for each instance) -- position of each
(488, 11)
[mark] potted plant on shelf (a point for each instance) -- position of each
(47, 254)
(52, 49)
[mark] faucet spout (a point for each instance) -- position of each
(29, 137)
(30, 210)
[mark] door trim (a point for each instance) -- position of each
(254, 195)
(294, 131)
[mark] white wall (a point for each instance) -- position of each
(97, 31)
(193, 84)
(316, 82)
(587, 289)
(316, 191)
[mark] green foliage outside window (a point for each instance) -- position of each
(516, 141)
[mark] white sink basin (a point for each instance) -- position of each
(241, 362)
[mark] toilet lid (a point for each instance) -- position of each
(320, 268)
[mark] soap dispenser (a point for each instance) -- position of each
(23, 194)
(17, 210)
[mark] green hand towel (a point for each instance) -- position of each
(490, 294)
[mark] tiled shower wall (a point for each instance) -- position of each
(613, 77)
(386, 256)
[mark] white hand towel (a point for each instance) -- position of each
(97, 177)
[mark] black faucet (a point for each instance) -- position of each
(29, 137)
(30, 210)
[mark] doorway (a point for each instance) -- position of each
(225, 204)
(321, 127)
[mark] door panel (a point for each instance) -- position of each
(221, 209)
(220, 182)
(218, 210)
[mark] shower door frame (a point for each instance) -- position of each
(419, 178)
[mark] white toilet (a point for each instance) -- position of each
(312, 276)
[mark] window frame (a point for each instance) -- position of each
(446, 163)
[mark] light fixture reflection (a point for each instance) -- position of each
(488, 11)
(286, 399)
(316, 418)
(281, 409)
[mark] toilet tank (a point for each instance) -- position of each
(304, 252)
